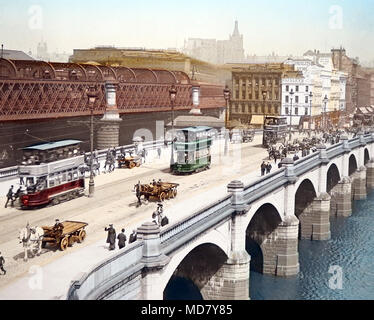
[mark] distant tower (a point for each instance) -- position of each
(235, 45)
(42, 51)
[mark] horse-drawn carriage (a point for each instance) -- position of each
(129, 162)
(156, 190)
(64, 234)
(248, 135)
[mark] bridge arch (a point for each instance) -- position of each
(198, 268)
(352, 166)
(333, 177)
(304, 197)
(260, 234)
(366, 156)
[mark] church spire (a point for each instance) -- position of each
(236, 29)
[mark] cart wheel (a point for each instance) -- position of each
(81, 236)
(174, 193)
(138, 164)
(162, 196)
(132, 165)
(64, 243)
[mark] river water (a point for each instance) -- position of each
(338, 269)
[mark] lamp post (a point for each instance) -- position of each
(91, 94)
(325, 100)
(226, 94)
(291, 98)
(172, 94)
(310, 113)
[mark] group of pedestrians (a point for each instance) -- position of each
(12, 196)
(111, 239)
(265, 167)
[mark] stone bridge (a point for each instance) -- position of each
(256, 226)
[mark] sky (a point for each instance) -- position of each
(280, 26)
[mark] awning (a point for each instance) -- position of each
(257, 119)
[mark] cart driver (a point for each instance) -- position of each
(58, 227)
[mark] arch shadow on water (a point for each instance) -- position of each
(180, 288)
(257, 259)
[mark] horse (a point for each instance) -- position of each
(31, 238)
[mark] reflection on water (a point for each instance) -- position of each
(351, 247)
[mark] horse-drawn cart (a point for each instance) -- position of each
(65, 234)
(159, 190)
(129, 162)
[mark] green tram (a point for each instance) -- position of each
(192, 146)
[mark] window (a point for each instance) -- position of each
(307, 88)
(287, 88)
(296, 110)
(287, 99)
(287, 111)
(296, 99)
(306, 111)
(297, 89)
(306, 99)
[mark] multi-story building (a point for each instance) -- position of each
(257, 92)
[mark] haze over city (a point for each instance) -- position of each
(283, 27)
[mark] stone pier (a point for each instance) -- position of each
(359, 184)
(108, 133)
(370, 175)
(341, 200)
(315, 219)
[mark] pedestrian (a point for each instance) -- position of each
(133, 236)
(111, 237)
(268, 167)
(138, 194)
(121, 239)
(159, 152)
(2, 262)
(10, 197)
(263, 168)
(295, 157)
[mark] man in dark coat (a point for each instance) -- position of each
(263, 168)
(268, 167)
(133, 236)
(122, 239)
(2, 261)
(111, 237)
(10, 197)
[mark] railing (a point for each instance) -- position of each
(10, 172)
(193, 224)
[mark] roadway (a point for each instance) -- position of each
(114, 202)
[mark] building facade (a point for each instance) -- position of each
(257, 92)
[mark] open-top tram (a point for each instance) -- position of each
(51, 173)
